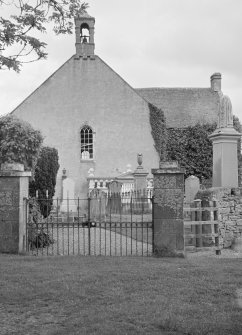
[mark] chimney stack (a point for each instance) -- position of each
(216, 82)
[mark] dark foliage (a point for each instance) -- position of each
(158, 130)
(45, 179)
(38, 235)
(19, 142)
(19, 43)
(193, 149)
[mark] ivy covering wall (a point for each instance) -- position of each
(193, 149)
(158, 130)
(190, 146)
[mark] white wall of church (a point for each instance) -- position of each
(88, 91)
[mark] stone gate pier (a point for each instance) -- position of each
(168, 209)
(14, 189)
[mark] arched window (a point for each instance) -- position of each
(84, 33)
(86, 143)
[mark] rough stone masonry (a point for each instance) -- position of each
(168, 209)
(229, 202)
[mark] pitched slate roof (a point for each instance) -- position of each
(184, 107)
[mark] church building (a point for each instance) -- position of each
(99, 123)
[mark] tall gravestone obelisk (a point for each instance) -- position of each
(225, 147)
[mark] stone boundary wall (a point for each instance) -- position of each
(229, 203)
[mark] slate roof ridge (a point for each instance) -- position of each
(183, 106)
(172, 88)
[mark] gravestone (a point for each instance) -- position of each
(192, 186)
(14, 188)
(114, 198)
(168, 209)
(68, 203)
(98, 204)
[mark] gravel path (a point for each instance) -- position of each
(74, 241)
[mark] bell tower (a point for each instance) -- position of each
(84, 28)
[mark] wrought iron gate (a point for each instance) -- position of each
(100, 225)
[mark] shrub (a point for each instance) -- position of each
(19, 142)
(45, 179)
(38, 235)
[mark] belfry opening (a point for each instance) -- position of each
(84, 33)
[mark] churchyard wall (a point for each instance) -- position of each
(229, 203)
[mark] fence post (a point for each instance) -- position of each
(26, 216)
(89, 224)
(153, 231)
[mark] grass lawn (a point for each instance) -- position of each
(105, 295)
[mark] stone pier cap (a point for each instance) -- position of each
(15, 173)
(13, 170)
(168, 167)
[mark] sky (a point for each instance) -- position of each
(150, 43)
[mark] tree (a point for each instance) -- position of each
(18, 44)
(19, 142)
(45, 179)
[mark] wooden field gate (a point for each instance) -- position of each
(201, 225)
